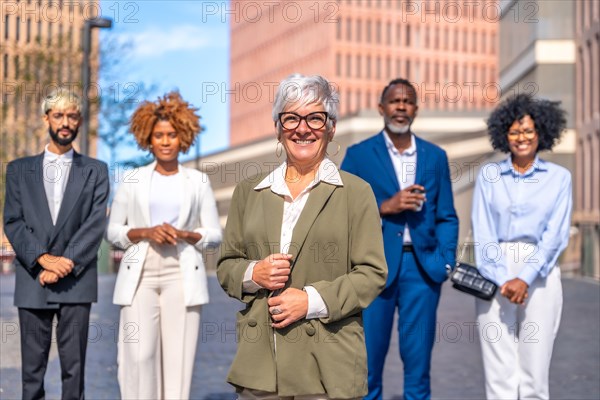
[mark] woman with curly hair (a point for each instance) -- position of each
(521, 218)
(163, 214)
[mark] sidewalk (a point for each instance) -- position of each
(456, 374)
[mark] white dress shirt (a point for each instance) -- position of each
(57, 168)
(405, 166)
(292, 208)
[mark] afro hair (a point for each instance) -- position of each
(171, 107)
(549, 119)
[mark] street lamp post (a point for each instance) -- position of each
(99, 22)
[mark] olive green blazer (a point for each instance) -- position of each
(337, 248)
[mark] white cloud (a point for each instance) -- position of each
(154, 42)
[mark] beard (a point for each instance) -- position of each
(63, 141)
(395, 128)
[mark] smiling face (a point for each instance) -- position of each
(523, 140)
(165, 142)
(305, 147)
(398, 108)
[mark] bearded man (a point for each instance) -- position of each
(411, 181)
(54, 218)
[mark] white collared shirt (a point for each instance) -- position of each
(56, 168)
(405, 166)
(292, 208)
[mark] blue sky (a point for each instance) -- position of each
(177, 44)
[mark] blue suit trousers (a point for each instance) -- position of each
(416, 297)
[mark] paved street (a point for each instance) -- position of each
(457, 369)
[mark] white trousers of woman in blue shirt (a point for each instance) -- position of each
(517, 340)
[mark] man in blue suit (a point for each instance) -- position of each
(411, 181)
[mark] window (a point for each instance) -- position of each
(398, 34)
(349, 29)
(368, 31)
(338, 29)
(6, 26)
(28, 67)
(407, 35)
(338, 64)
(378, 68)
(378, 32)
(407, 72)
(348, 101)
(18, 29)
(5, 67)
(348, 65)
(17, 74)
(417, 72)
(388, 68)
(358, 66)
(368, 67)
(28, 32)
(484, 43)
(388, 33)
(49, 34)
(446, 39)
(455, 73)
(358, 30)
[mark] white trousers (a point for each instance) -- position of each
(251, 394)
(517, 340)
(158, 333)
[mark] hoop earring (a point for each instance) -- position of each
(339, 147)
(278, 149)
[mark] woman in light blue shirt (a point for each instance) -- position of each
(521, 218)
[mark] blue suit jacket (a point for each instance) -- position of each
(77, 234)
(434, 229)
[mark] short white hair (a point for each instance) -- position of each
(302, 90)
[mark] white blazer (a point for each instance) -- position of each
(131, 209)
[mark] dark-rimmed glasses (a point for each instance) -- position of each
(529, 134)
(71, 117)
(314, 120)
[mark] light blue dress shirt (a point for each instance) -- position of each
(534, 207)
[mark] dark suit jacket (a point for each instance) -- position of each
(77, 235)
(434, 229)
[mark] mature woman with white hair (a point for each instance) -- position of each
(303, 250)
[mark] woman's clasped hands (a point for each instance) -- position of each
(272, 273)
(168, 234)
